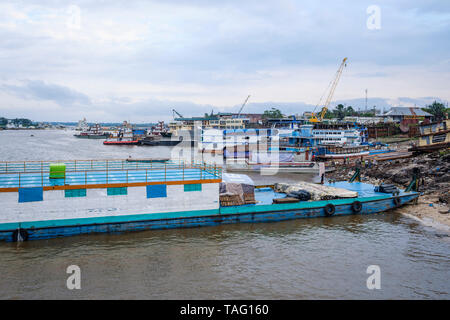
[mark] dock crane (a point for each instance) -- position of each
(245, 102)
(314, 117)
(175, 111)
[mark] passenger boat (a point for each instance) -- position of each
(42, 200)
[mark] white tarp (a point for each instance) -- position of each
(272, 157)
(317, 191)
(237, 178)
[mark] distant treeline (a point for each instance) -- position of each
(18, 121)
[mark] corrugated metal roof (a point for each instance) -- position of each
(405, 111)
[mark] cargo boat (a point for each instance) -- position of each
(42, 200)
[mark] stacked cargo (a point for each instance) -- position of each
(236, 190)
(312, 191)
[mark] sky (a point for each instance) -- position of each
(137, 60)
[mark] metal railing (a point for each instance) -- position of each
(83, 165)
(112, 173)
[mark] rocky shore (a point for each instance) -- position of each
(434, 182)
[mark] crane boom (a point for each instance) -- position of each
(245, 102)
(175, 111)
(330, 94)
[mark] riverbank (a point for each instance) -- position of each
(434, 183)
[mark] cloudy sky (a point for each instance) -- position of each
(137, 60)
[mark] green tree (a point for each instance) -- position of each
(349, 111)
(437, 109)
(22, 121)
(3, 121)
(272, 113)
(339, 111)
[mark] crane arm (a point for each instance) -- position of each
(175, 111)
(331, 93)
(245, 102)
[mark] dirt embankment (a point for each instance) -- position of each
(434, 183)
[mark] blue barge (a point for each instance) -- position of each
(114, 197)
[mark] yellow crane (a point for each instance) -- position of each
(314, 117)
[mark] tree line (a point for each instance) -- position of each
(18, 121)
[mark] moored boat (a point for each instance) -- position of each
(130, 142)
(47, 200)
(94, 132)
(159, 140)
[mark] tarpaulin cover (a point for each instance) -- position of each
(237, 178)
(237, 185)
(276, 157)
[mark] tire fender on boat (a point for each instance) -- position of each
(397, 201)
(356, 206)
(23, 235)
(329, 209)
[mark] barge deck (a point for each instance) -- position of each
(150, 196)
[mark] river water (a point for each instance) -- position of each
(323, 258)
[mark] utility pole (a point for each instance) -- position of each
(366, 100)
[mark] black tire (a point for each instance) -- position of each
(356, 206)
(397, 201)
(329, 209)
(23, 235)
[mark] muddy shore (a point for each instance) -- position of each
(433, 206)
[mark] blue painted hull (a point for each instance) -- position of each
(224, 215)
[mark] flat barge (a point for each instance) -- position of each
(121, 142)
(42, 200)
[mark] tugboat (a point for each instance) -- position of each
(123, 139)
(159, 136)
(94, 132)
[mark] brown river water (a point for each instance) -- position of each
(322, 258)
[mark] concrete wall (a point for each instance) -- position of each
(97, 203)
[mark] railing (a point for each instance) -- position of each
(112, 173)
(87, 165)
